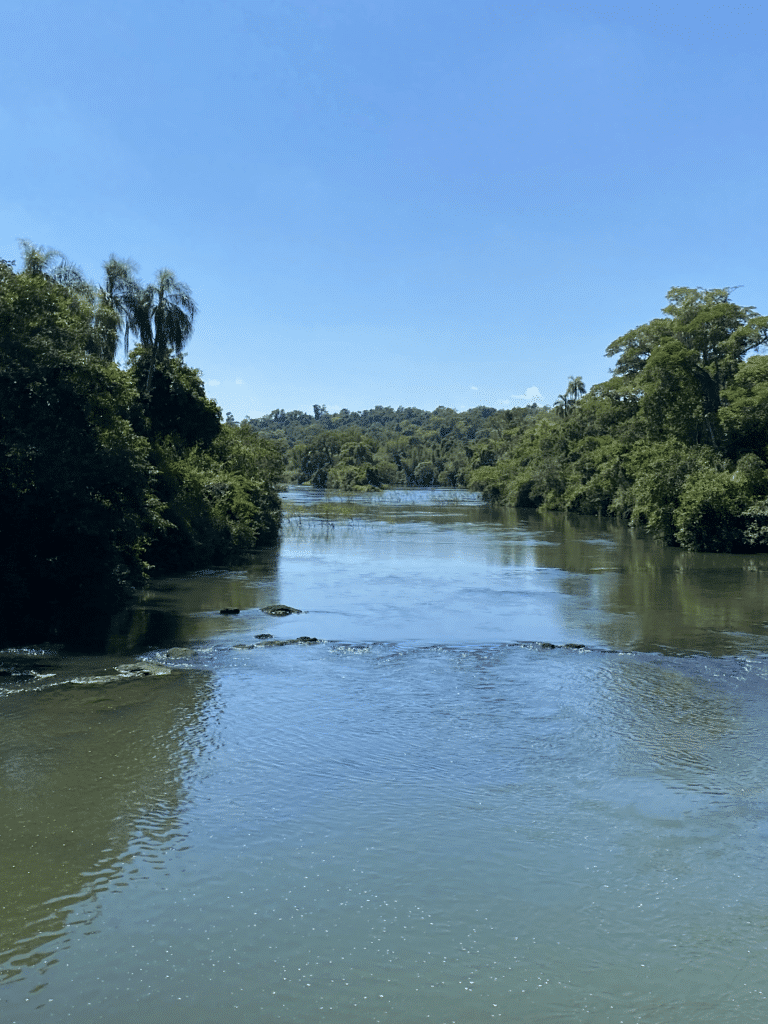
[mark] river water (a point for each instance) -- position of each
(439, 813)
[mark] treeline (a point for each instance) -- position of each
(109, 473)
(676, 440)
(385, 447)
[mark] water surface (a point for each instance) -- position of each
(439, 813)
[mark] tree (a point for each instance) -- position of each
(76, 504)
(744, 409)
(676, 368)
(121, 293)
(177, 409)
(163, 316)
(39, 262)
(83, 299)
(573, 393)
(575, 389)
(101, 483)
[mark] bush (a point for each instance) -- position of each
(709, 515)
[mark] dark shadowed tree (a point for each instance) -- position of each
(163, 317)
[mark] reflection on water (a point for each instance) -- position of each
(441, 566)
(460, 570)
(439, 813)
(90, 776)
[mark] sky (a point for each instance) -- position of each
(394, 202)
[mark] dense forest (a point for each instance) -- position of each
(385, 447)
(676, 440)
(110, 473)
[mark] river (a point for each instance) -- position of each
(522, 775)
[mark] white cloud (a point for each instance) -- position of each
(531, 395)
(213, 383)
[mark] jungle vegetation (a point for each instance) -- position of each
(385, 447)
(676, 440)
(111, 473)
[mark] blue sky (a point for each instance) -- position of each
(387, 202)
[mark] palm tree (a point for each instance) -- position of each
(56, 267)
(37, 260)
(573, 393)
(575, 389)
(562, 405)
(121, 293)
(162, 317)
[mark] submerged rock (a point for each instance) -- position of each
(544, 645)
(229, 611)
(141, 668)
(281, 609)
(285, 643)
(123, 673)
(179, 652)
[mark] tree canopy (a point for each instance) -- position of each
(104, 478)
(676, 439)
(383, 447)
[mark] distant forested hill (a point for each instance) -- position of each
(385, 447)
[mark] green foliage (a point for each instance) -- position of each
(744, 409)
(103, 479)
(659, 471)
(384, 447)
(162, 316)
(177, 408)
(674, 441)
(709, 514)
(215, 511)
(76, 502)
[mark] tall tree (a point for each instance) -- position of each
(163, 318)
(56, 267)
(37, 260)
(575, 389)
(121, 293)
(676, 367)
